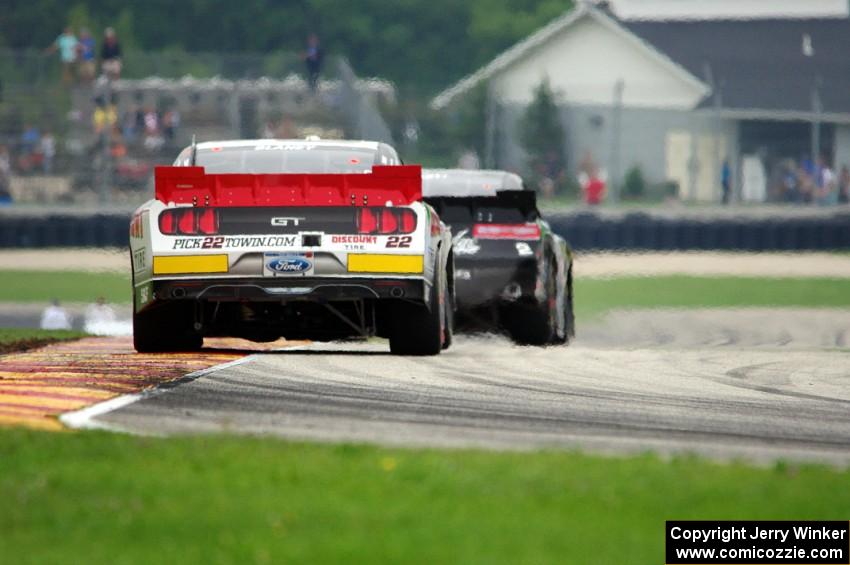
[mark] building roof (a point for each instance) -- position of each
(727, 9)
(761, 66)
(757, 68)
(544, 35)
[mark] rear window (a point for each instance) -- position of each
(456, 215)
(283, 159)
(494, 215)
(467, 214)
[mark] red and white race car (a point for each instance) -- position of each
(263, 239)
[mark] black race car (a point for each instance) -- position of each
(512, 273)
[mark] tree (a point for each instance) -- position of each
(470, 120)
(542, 136)
(422, 45)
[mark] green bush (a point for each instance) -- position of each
(634, 186)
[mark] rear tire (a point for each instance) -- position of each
(417, 329)
(448, 315)
(569, 315)
(534, 324)
(165, 329)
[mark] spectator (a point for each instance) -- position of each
(806, 185)
(844, 185)
(86, 55)
(726, 180)
(551, 174)
(5, 175)
(140, 120)
(827, 191)
(411, 131)
(791, 182)
(170, 123)
(110, 55)
(30, 139)
(313, 58)
(55, 317)
(98, 317)
(587, 165)
(153, 134)
(117, 147)
(129, 126)
(66, 44)
(469, 160)
(104, 116)
(593, 187)
(287, 129)
(48, 152)
(29, 155)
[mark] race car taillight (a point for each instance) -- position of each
(367, 220)
(506, 231)
(385, 220)
(208, 221)
(189, 221)
(408, 221)
(389, 221)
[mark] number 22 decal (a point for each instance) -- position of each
(399, 241)
(212, 243)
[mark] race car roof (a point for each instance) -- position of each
(461, 183)
(298, 143)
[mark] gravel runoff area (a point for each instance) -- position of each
(697, 263)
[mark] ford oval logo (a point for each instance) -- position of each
(289, 265)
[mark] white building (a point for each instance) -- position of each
(678, 86)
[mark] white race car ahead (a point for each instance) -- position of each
(264, 239)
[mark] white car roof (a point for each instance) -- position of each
(460, 183)
(306, 143)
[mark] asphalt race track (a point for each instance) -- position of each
(762, 385)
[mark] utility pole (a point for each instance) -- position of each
(234, 111)
(817, 109)
(105, 192)
(616, 137)
(717, 105)
(490, 129)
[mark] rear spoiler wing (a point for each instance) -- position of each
(523, 200)
(398, 184)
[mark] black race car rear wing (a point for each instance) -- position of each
(523, 204)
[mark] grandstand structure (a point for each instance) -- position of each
(151, 116)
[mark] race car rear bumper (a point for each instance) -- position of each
(284, 289)
(480, 282)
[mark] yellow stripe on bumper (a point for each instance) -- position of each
(362, 263)
(188, 264)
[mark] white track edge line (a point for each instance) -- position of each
(83, 419)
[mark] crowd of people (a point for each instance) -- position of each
(812, 182)
(35, 152)
(144, 127)
(80, 58)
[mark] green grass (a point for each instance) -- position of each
(101, 498)
(73, 286)
(595, 296)
(18, 339)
